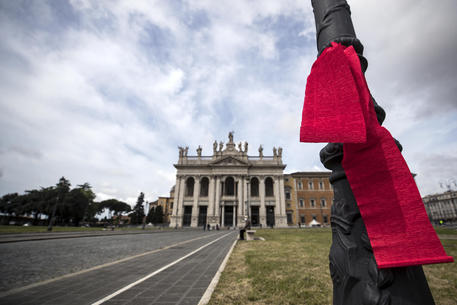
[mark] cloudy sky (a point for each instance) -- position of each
(105, 91)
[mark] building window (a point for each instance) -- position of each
(323, 203)
(230, 186)
(314, 217)
(321, 185)
(204, 183)
(288, 195)
(255, 187)
(268, 187)
(286, 179)
(310, 185)
(300, 185)
(302, 203)
(325, 218)
(190, 186)
(288, 205)
(313, 203)
(302, 219)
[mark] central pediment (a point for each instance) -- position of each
(229, 161)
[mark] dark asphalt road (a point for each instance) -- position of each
(26, 263)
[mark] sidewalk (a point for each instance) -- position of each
(19, 237)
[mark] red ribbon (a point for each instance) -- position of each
(338, 108)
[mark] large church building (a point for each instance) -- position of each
(228, 187)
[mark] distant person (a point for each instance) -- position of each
(247, 226)
(208, 227)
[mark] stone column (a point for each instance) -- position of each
(211, 194)
(194, 222)
(245, 196)
(241, 208)
(223, 216)
(175, 203)
(180, 203)
(278, 206)
(217, 201)
(262, 211)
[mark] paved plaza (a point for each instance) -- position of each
(159, 268)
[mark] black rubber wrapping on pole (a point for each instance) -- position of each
(334, 24)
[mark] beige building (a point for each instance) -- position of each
(228, 187)
(309, 198)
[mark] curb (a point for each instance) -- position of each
(39, 238)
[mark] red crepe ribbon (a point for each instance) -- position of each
(338, 108)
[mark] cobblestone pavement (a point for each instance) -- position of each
(25, 263)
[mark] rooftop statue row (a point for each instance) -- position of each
(230, 148)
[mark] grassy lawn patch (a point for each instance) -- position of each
(291, 267)
(445, 231)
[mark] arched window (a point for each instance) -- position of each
(254, 187)
(229, 186)
(190, 186)
(268, 187)
(204, 183)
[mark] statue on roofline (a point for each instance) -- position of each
(199, 151)
(275, 154)
(240, 148)
(230, 136)
(260, 151)
(221, 145)
(215, 146)
(245, 147)
(280, 152)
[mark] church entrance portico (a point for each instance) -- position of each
(255, 219)
(270, 216)
(187, 217)
(202, 215)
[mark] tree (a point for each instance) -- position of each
(158, 215)
(138, 211)
(115, 206)
(62, 188)
(150, 217)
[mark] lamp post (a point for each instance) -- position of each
(355, 275)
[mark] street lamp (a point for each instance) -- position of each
(353, 268)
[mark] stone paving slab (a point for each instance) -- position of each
(182, 283)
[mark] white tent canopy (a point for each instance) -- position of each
(314, 223)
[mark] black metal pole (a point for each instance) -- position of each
(355, 275)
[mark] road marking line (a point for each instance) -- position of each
(209, 291)
(155, 272)
(20, 289)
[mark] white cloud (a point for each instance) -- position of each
(104, 92)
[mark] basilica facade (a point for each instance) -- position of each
(229, 187)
